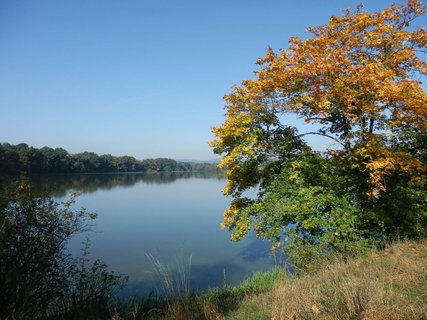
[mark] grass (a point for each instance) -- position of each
(212, 304)
(377, 285)
(391, 284)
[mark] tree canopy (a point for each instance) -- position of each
(358, 78)
(21, 158)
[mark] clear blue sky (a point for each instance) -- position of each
(140, 78)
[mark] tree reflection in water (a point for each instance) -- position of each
(58, 185)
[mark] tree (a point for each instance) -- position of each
(357, 79)
(9, 159)
(21, 158)
(55, 161)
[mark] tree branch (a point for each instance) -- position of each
(322, 119)
(323, 135)
(371, 125)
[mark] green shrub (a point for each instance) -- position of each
(38, 276)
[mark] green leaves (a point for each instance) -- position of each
(37, 274)
(357, 79)
(305, 205)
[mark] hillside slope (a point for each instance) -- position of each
(390, 284)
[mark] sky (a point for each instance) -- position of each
(137, 77)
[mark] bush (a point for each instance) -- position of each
(37, 273)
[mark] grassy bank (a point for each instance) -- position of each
(388, 284)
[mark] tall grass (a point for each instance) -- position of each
(173, 284)
(212, 304)
(379, 285)
(391, 284)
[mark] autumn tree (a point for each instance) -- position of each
(358, 78)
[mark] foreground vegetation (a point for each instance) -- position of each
(40, 280)
(388, 284)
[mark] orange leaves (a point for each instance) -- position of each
(408, 103)
(356, 77)
(377, 170)
(416, 7)
(379, 161)
(393, 163)
(420, 37)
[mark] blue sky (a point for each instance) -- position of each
(140, 78)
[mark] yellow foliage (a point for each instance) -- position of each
(354, 77)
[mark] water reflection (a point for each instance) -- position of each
(201, 277)
(255, 250)
(159, 213)
(59, 185)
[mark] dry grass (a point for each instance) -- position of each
(257, 307)
(390, 285)
(210, 311)
(177, 285)
(385, 285)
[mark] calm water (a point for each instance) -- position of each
(171, 216)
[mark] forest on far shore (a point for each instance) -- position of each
(24, 159)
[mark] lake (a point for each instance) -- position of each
(175, 217)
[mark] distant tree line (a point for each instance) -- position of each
(21, 158)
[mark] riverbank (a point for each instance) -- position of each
(387, 284)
